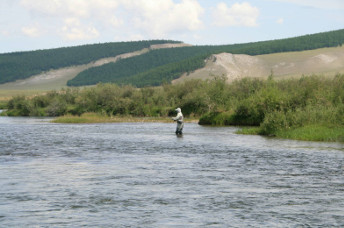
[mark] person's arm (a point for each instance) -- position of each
(177, 117)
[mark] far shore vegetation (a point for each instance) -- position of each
(92, 117)
(308, 108)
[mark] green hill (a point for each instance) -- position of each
(21, 65)
(164, 65)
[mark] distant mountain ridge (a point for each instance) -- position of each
(149, 68)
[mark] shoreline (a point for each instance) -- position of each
(306, 133)
(310, 133)
(89, 118)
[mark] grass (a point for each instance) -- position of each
(314, 133)
(99, 118)
(7, 94)
(3, 104)
(248, 131)
(306, 133)
(296, 64)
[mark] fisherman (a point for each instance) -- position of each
(180, 123)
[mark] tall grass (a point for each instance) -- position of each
(91, 117)
(314, 133)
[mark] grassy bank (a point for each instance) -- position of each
(8, 94)
(314, 133)
(101, 118)
(305, 133)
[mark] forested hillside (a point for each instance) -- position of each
(126, 70)
(164, 65)
(21, 65)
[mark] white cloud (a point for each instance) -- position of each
(115, 22)
(280, 21)
(152, 18)
(162, 17)
(321, 4)
(136, 37)
(77, 19)
(42, 6)
(73, 30)
(31, 31)
(75, 8)
(237, 15)
(5, 33)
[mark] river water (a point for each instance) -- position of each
(142, 175)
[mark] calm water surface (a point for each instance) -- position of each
(142, 175)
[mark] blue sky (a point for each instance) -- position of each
(42, 24)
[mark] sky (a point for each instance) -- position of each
(43, 24)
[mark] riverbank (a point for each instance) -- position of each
(305, 133)
(89, 118)
(315, 133)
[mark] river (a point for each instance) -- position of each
(142, 175)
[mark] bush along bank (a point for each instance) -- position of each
(309, 106)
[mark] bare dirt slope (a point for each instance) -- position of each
(324, 61)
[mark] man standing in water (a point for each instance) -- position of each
(180, 123)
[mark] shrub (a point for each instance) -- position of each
(19, 106)
(273, 122)
(207, 119)
(217, 118)
(194, 103)
(57, 108)
(248, 112)
(41, 101)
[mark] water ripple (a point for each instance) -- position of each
(142, 175)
